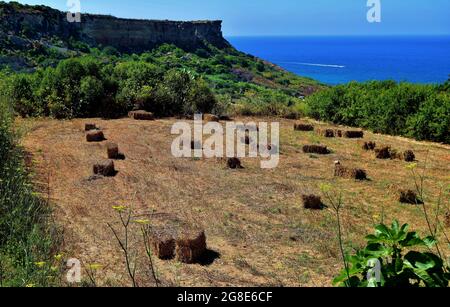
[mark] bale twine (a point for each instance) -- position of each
(104, 168)
(409, 197)
(95, 136)
(141, 115)
(303, 127)
(312, 202)
(190, 245)
(316, 149)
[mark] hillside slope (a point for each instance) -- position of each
(256, 227)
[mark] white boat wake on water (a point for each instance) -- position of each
(313, 64)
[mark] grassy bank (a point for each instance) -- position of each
(27, 241)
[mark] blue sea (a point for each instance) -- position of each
(336, 60)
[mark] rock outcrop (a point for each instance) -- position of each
(22, 25)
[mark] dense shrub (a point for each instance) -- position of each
(420, 111)
(87, 87)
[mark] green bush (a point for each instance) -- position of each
(420, 111)
(401, 261)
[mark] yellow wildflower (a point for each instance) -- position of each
(119, 208)
(142, 222)
(325, 187)
(40, 264)
(411, 166)
(94, 266)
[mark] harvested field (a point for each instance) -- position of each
(258, 231)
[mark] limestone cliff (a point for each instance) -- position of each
(19, 22)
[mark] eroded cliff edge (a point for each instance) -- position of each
(20, 23)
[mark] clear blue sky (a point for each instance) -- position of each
(284, 17)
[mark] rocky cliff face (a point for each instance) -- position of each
(36, 22)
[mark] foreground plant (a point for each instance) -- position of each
(392, 258)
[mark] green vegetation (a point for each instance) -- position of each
(27, 240)
(394, 253)
(167, 81)
(418, 111)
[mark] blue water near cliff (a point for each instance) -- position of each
(335, 60)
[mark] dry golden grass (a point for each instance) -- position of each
(253, 218)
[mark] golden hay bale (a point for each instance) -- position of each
(89, 127)
(369, 146)
(141, 115)
(317, 149)
(234, 163)
(312, 202)
(409, 156)
(409, 197)
(383, 153)
(354, 134)
(112, 150)
(349, 173)
(163, 244)
(190, 245)
(95, 136)
(303, 127)
(338, 133)
(328, 133)
(211, 118)
(104, 168)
